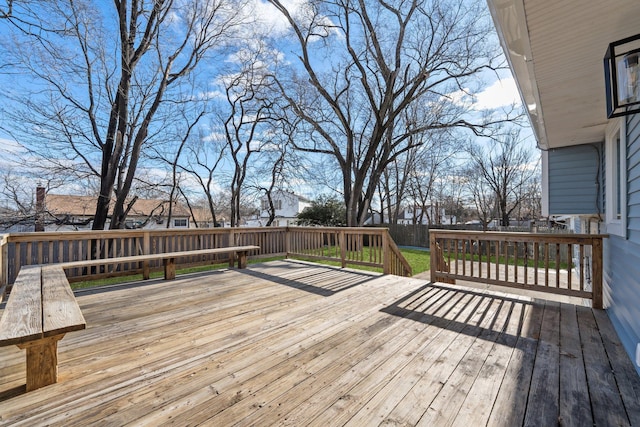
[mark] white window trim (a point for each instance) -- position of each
(175, 223)
(617, 226)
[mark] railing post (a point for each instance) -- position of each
(287, 241)
(343, 248)
(232, 242)
(386, 253)
(433, 255)
(146, 249)
(4, 266)
(596, 265)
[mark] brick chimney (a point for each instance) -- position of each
(40, 194)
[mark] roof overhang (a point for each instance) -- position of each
(556, 50)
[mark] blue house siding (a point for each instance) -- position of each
(622, 290)
(633, 179)
(575, 180)
(622, 255)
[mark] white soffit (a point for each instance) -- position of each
(556, 49)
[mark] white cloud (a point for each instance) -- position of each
(10, 146)
(501, 93)
(270, 21)
(214, 137)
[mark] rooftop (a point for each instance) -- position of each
(293, 343)
(58, 204)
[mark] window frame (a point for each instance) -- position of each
(175, 223)
(616, 177)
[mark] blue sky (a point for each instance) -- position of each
(496, 93)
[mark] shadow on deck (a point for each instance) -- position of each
(293, 343)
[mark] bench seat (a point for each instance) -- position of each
(40, 310)
(168, 259)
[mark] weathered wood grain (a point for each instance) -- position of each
(603, 390)
(543, 403)
(22, 317)
(574, 394)
(292, 343)
(60, 311)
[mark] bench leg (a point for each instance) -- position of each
(146, 270)
(232, 259)
(169, 268)
(242, 259)
(42, 362)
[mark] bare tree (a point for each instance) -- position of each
(366, 64)
(205, 155)
(275, 170)
(432, 162)
(96, 104)
(505, 169)
(482, 196)
(246, 119)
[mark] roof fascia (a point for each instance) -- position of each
(510, 20)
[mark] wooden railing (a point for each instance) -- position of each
(564, 264)
(356, 246)
(371, 247)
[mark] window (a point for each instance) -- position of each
(277, 204)
(180, 222)
(616, 178)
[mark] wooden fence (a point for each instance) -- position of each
(521, 260)
(349, 246)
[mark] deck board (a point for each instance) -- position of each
(293, 343)
(543, 407)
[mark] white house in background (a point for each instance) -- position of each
(286, 204)
(591, 158)
(411, 215)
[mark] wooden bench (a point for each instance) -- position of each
(168, 258)
(40, 310)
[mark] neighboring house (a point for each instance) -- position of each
(204, 218)
(68, 212)
(286, 205)
(373, 219)
(410, 216)
(591, 163)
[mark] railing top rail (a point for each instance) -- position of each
(54, 235)
(368, 230)
(502, 234)
(105, 234)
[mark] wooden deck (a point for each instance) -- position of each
(289, 343)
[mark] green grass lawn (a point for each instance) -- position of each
(418, 259)
(501, 260)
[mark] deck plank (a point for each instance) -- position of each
(627, 381)
(486, 386)
(445, 407)
(543, 403)
(603, 392)
(510, 404)
(574, 395)
(446, 304)
(293, 343)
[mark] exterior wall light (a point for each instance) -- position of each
(622, 76)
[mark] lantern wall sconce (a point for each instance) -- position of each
(622, 76)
